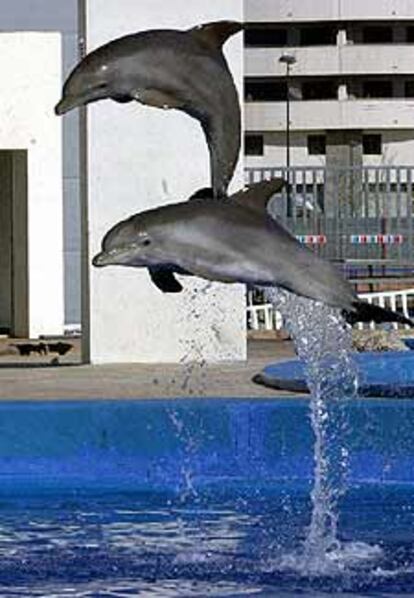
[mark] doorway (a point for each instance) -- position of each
(14, 288)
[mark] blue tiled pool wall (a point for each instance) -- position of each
(158, 444)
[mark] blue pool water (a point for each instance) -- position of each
(197, 498)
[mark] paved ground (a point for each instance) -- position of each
(36, 377)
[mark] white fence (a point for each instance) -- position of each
(265, 317)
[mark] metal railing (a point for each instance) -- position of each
(395, 300)
(265, 317)
(356, 213)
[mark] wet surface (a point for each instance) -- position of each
(215, 543)
(35, 377)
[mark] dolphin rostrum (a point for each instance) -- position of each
(167, 68)
(231, 241)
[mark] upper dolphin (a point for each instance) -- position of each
(168, 68)
(230, 241)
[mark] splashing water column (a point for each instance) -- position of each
(323, 342)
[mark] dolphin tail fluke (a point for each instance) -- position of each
(367, 312)
(217, 33)
(223, 139)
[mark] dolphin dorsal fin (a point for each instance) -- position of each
(217, 33)
(204, 193)
(256, 196)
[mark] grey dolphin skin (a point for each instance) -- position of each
(231, 241)
(167, 68)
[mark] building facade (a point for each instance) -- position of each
(51, 16)
(31, 198)
(351, 87)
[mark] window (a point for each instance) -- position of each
(377, 34)
(316, 145)
(265, 37)
(409, 89)
(318, 36)
(377, 89)
(319, 90)
(253, 145)
(372, 145)
(410, 35)
(256, 90)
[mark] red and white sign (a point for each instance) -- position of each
(377, 239)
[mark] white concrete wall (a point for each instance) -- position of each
(327, 10)
(274, 148)
(398, 150)
(141, 157)
(363, 59)
(331, 114)
(30, 64)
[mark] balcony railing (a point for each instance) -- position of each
(324, 10)
(306, 115)
(346, 60)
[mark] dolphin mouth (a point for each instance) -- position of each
(111, 258)
(66, 104)
(70, 101)
(100, 260)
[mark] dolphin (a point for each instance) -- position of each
(231, 241)
(168, 68)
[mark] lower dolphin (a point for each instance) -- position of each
(235, 240)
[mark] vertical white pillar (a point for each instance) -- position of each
(342, 92)
(341, 37)
(141, 157)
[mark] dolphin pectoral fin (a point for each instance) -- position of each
(217, 33)
(165, 280)
(121, 98)
(157, 98)
(256, 196)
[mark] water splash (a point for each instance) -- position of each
(187, 489)
(323, 343)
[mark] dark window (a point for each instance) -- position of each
(410, 35)
(319, 90)
(264, 91)
(371, 144)
(318, 36)
(253, 145)
(377, 34)
(377, 89)
(409, 89)
(316, 145)
(265, 37)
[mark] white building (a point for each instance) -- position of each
(28, 16)
(351, 87)
(31, 203)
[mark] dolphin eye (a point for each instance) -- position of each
(146, 242)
